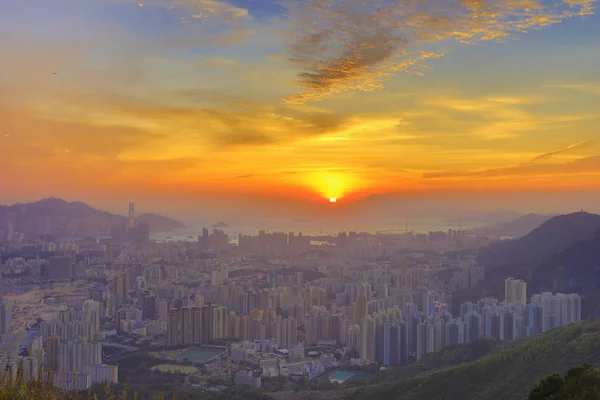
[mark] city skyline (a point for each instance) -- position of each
(221, 103)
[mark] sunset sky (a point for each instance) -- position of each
(175, 100)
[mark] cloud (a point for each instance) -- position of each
(245, 176)
(580, 166)
(591, 88)
(220, 21)
(203, 9)
(569, 148)
(349, 45)
(494, 118)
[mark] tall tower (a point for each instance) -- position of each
(5, 317)
(131, 215)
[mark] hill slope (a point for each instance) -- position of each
(508, 375)
(159, 223)
(553, 236)
(518, 227)
(574, 269)
(59, 217)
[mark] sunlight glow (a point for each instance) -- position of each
(331, 185)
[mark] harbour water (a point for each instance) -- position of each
(423, 226)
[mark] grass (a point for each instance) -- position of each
(175, 369)
(39, 389)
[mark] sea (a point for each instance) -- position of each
(191, 234)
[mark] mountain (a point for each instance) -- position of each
(67, 219)
(508, 375)
(516, 228)
(159, 223)
(551, 237)
(562, 255)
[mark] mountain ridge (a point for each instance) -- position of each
(562, 255)
(518, 227)
(553, 236)
(59, 217)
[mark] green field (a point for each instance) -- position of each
(175, 369)
(199, 355)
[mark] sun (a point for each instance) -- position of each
(332, 200)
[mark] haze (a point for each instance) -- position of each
(197, 107)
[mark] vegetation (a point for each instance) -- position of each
(579, 383)
(507, 374)
(19, 389)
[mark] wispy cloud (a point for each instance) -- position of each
(582, 165)
(222, 22)
(592, 88)
(569, 148)
(203, 9)
(349, 45)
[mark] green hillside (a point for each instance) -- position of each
(507, 375)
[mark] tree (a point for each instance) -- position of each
(579, 383)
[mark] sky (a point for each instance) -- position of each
(210, 103)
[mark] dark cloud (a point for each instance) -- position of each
(346, 45)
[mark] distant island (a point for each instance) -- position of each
(220, 224)
(54, 216)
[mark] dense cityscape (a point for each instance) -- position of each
(299, 200)
(262, 307)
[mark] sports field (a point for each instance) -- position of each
(175, 369)
(199, 355)
(196, 355)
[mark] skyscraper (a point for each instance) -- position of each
(121, 289)
(131, 223)
(5, 317)
(360, 309)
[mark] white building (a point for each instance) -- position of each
(515, 291)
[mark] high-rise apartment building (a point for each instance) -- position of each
(515, 290)
(195, 325)
(60, 268)
(121, 289)
(148, 305)
(5, 317)
(360, 309)
(76, 356)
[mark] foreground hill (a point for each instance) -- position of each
(61, 218)
(554, 235)
(508, 375)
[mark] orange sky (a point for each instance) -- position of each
(194, 98)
